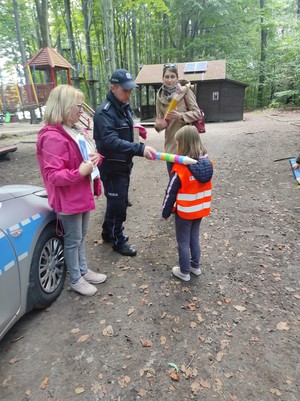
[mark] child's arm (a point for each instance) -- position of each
(170, 196)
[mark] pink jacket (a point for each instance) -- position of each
(59, 159)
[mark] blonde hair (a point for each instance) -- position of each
(59, 104)
(189, 142)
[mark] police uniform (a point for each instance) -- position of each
(114, 137)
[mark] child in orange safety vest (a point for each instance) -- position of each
(188, 195)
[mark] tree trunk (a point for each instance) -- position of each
(87, 16)
(135, 58)
(263, 47)
(33, 119)
(71, 41)
(109, 37)
(43, 16)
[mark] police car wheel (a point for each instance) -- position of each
(48, 270)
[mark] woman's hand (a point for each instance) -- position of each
(160, 124)
(95, 158)
(174, 115)
(86, 168)
(295, 165)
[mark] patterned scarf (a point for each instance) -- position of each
(168, 92)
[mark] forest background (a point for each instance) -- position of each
(258, 38)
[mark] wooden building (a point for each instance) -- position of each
(220, 98)
(51, 64)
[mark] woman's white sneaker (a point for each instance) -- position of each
(84, 288)
(93, 277)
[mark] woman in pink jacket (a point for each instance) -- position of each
(68, 163)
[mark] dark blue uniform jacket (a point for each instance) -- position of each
(113, 133)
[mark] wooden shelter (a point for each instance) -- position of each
(220, 98)
(51, 63)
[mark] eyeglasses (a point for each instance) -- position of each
(170, 65)
(80, 105)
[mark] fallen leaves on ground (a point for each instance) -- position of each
(79, 390)
(123, 381)
(218, 384)
(275, 391)
(174, 374)
(130, 311)
(44, 383)
(148, 372)
(219, 356)
(239, 308)
(282, 326)
(163, 340)
(108, 331)
(189, 372)
(14, 360)
(17, 339)
(146, 342)
(142, 392)
(83, 338)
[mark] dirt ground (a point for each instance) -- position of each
(231, 334)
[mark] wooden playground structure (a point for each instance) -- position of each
(46, 66)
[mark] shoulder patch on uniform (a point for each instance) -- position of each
(107, 106)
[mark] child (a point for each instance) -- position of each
(189, 195)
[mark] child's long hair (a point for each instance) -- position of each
(189, 142)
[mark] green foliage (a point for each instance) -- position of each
(175, 30)
(291, 97)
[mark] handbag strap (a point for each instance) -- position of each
(187, 106)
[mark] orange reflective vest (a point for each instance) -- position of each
(193, 198)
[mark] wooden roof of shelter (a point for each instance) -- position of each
(48, 57)
(151, 74)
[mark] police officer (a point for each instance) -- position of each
(114, 136)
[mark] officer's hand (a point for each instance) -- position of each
(150, 153)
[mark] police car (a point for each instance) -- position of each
(32, 267)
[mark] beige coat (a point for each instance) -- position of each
(187, 106)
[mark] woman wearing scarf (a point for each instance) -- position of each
(176, 106)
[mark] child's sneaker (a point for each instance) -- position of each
(177, 272)
(83, 287)
(195, 271)
(93, 277)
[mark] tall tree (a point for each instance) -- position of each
(109, 41)
(87, 17)
(43, 21)
(71, 41)
(33, 118)
(263, 48)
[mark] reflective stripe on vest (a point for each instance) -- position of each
(195, 208)
(192, 197)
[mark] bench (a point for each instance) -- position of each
(4, 150)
